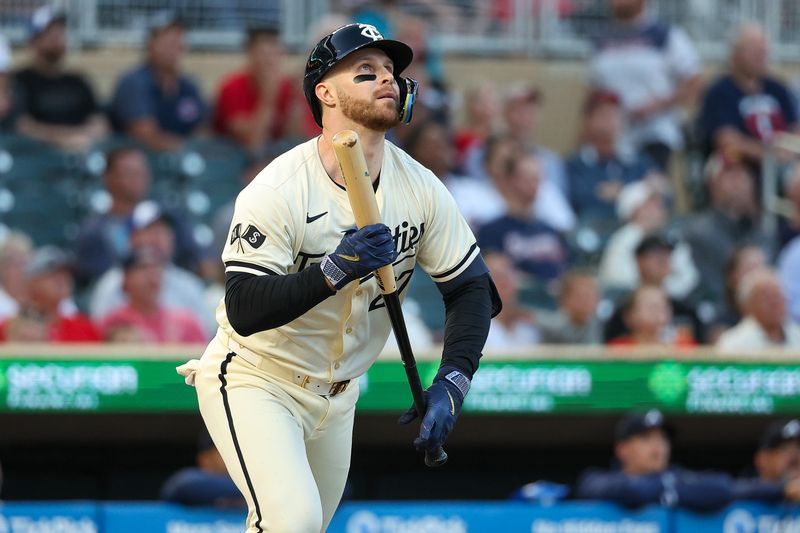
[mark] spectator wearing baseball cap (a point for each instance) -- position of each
(776, 474)
(104, 236)
(641, 206)
(642, 474)
(55, 105)
(153, 227)
(47, 313)
(155, 103)
(601, 167)
(653, 264)
(144, 316)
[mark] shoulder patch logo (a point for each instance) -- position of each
(254, 236)
(236, 237)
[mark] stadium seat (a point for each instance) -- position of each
(42, 193)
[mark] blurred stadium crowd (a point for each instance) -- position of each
(115, 211)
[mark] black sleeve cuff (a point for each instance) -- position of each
(258, 303)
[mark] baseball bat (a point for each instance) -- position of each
(358, 183)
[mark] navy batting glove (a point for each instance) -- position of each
(443, 399)
(360, 252)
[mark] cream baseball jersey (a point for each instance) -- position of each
(293, 214)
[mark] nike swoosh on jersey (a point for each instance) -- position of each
(310, 219)
(349, 257)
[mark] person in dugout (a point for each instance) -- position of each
(775, 475)
(642, 474)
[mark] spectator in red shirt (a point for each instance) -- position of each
(257, 105)
(48, 313)
(143, 318)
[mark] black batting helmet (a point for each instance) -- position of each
(346, 40)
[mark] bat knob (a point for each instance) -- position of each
(435, 458)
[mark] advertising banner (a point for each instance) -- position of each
(538, 387)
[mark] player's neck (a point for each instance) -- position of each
(372, 143)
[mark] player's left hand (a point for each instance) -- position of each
(443, 399)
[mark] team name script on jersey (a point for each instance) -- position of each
(406, 237)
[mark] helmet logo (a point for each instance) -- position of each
(370, 31)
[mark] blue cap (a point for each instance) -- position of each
(778, 433)
(638, 422)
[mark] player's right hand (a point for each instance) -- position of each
(359, 253)
(443, 401)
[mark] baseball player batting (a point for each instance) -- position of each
(302, 315)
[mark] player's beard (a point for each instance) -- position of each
(369, 115)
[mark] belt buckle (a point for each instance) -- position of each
(339, 386)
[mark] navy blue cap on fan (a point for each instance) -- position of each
(656, 241)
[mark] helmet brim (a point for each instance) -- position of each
(400, 53)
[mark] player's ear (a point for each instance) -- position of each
(326, 94)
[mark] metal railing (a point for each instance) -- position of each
(557, 28)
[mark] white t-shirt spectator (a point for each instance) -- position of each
(749, 335)
(519, 335)
(480, 202)
(641, 63)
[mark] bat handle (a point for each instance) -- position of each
(436, 457)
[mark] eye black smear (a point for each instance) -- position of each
(365, 77)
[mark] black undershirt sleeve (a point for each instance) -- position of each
(470, 302)
(258, 303)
